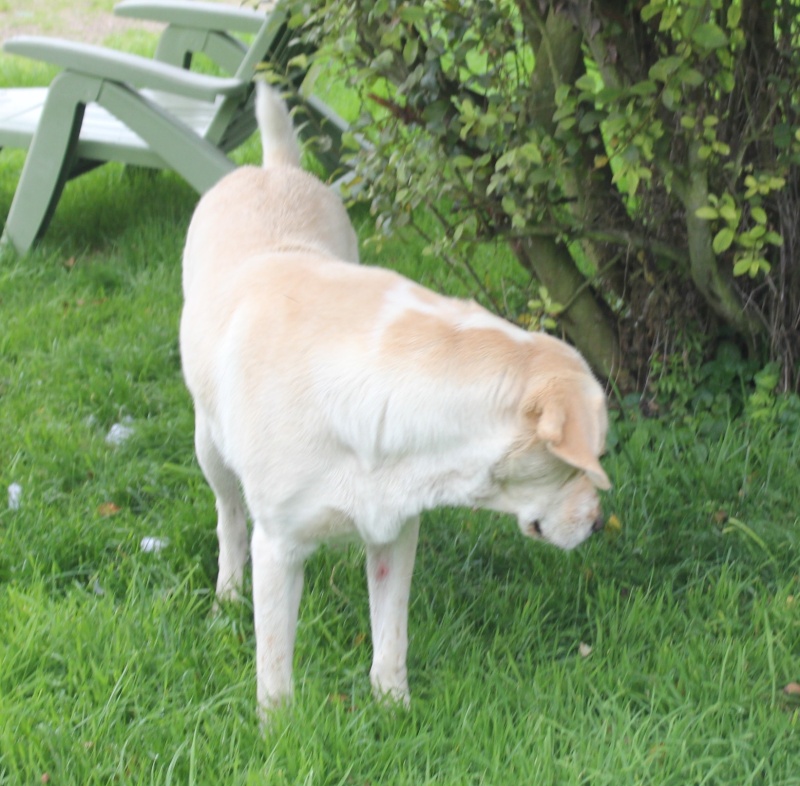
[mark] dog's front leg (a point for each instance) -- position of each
(389, 569)
(277, 586)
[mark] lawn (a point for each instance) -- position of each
(658, 653)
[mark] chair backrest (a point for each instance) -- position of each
(235, 118)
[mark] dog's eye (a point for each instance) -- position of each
(536, 527)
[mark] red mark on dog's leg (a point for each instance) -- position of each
(381, 571)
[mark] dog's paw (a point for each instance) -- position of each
(229, 591)
(227, 597)
(270, 710)
(396, 696)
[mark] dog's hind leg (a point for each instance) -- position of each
(277, 586)
(231, 518)
(389, 569)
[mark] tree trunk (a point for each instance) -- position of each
(713, 285)
(586, 324)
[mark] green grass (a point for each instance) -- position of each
(113, 670)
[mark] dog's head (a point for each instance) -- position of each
(550, 477)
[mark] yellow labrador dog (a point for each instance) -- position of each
(342, 399)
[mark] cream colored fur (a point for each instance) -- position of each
(346, 400)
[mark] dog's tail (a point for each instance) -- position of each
(278, 140)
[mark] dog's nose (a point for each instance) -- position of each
(598, 524)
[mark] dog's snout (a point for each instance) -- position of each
(598, 525)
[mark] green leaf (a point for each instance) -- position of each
(709, 36)
(411, 14)
(671, 98)
(299, 61)
(768, 377)
(566, 123)
(662, 69)
(759, 215)
(742, 266)
(506, 160)
(532, 152)
(722, 240)
(410, 50)
(563, 111)
(462, 162)
(391, 36)
(588, 83)
(651, 10)
(646, 88)
(734, 15)
(726, 80)
(691, 76)
(746, 240)
(383, 61)
(607, 95)
(562, 94)
(707, 213)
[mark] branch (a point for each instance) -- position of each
(704, 267)
(618, 237)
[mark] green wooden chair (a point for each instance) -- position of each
(111, 106)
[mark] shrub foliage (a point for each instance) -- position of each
(639, 159)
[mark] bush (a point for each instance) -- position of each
(640, 162)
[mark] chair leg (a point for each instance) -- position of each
(50, 159)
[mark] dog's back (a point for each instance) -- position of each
(272, 209)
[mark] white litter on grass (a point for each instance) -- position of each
(152, 545)
(14, 496)
(120, 432)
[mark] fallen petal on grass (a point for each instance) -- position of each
(152, 545)
(120, 432)
(14, 496)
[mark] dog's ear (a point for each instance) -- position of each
(572, 426)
